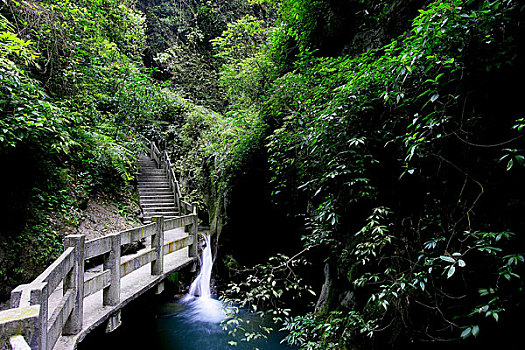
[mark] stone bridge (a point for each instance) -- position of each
(67, 301)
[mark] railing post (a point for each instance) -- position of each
(151, 149)
(177, 199)
(193, 248)
(18, 327)
(39, 296)
(16, 296)
(18, 342)
(111, 294)
(75, 280)
(170, 180)
(157, 243)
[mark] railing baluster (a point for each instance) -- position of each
(151, 149)
(18, 342)
(75, 280)
(39, 296)
(111, 294)
(157, 243)
(16, 296)
(18, 326)
(193, 248)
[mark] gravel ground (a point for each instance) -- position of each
(102, 217)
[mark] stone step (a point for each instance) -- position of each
(156, 193)
(146, 206)
(157, 188)
(156, 196)
(154, 184)
(160, 208)
(148, 166)
(143, 181)
(160, 213)
(154, 203)
(158, 204)
(173, 209)
(153, 175)
(163, 181)
(144, 178)
(160, 198)
(166, 215)
(153, 169)
(156, 181)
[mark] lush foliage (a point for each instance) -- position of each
(390, 131)
(73, 97)
(387, 144)
(266, 290)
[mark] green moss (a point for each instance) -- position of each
(173, 278)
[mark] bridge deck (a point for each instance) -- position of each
(131, 287)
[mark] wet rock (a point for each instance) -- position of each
(348, 300)
(323, 303)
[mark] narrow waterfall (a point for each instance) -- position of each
(201, 306)
(201, 285)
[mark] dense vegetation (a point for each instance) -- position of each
(390, 134)
(385, 140)
(74, 97)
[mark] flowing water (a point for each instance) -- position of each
(194, 322)
(190, 323)
(201, 285)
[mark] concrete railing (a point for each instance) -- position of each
(67, 270)
(27, 324)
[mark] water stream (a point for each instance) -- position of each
(200, 287)
(192, 322)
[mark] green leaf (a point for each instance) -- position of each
(466, 333)
(475, 331)
(510, 164)
(447, 259)
(451, 271)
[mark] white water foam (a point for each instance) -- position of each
(202, 307)
(201, 286)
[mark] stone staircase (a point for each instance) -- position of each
(156, 197)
